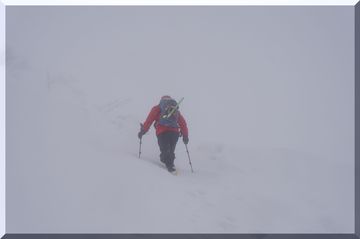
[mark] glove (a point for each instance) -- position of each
(185, 139)
(140, 134)
(142, 131)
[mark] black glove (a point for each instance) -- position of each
(185, 139)
(140, 134)
(142, 131)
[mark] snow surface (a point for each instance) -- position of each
(271, 128)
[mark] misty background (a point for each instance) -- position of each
(269, 102)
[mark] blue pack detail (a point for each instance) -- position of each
(166, 107)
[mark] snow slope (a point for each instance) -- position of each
(90, 169)
(271, 153)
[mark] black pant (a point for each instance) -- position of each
(167, 143)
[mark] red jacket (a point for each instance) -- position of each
(154, 115)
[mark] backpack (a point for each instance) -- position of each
(169, 112)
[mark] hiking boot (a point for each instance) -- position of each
(171, 168)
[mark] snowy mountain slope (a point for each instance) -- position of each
(272, 149)
(91, 171)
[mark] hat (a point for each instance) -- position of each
(166, 97)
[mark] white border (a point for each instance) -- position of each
(183, 2)
(2, 119)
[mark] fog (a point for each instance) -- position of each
(269, 102)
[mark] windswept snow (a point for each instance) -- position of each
(271, 146)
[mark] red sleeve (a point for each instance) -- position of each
(153, 115)
(183, 125)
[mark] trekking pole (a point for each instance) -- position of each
(141, 127)
(140, 147)
(189, 158)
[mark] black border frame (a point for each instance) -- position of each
(355, 235)
(357, 118)
(187, 236)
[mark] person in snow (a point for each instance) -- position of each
(169, 125)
